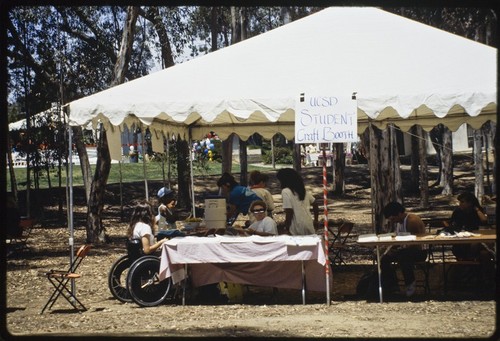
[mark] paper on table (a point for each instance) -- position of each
(369, 237)
(385, 236)
(302, 240)
(467, 234)
(406, 238)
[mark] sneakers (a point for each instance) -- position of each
(410, 289)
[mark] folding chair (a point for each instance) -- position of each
(61, 278)
(338, 244)
(20, 243)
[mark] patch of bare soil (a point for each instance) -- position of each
(462, 313)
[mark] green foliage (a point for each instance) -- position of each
(282, 155)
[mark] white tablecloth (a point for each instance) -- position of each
(267, 261)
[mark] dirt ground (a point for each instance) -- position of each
(461, 313)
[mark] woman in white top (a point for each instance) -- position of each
(263, 224)
(297, 203)
(141, 227)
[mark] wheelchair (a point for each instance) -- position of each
(134, 277)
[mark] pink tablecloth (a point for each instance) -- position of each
(266, 261)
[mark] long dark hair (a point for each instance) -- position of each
(143, 212)
(227, 179)
(471, 199)
(289, 178)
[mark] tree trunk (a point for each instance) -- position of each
(13, 181)
(339, 165)
(183, 175)
(235, 25)
(493, 150)
(84, 160)
(436, 136)
(297, 164)
(121, 66)
(384, 173)
(424, 179)
(395, 166)
(227, 154)
(214, 27)
(488, 130)
(447, 160)
(415, 156)
(153, 15)
(95, 230)
(243, 163)
(478, 166)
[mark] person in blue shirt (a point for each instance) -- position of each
(239, 197)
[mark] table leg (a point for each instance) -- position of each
(303, 283)
(379, 270)
(184, 285)
(493, 252)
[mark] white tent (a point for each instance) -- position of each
(403, 72)
(37, 120)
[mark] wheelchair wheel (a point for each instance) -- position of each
(117, 279)
(143, 283)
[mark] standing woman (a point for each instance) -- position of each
(297, 203)
(141, 227)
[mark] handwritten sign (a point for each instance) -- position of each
(326, 119)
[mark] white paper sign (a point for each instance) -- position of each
(326, 119)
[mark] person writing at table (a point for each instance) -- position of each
(167, 212)
(405, 255)
(468, 216)
(297, 202)
(239, 197)
(263, 224)
(141, 227)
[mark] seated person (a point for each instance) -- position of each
(239, 197)
(167, 213)
(405, 256)
(257, 182)
(263, 224)
(468, 216)
(14, 229)
(142, 227)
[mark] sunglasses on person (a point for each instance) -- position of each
(258, 210)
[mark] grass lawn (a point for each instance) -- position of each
(127, 172)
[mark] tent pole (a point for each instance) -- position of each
(121, 189)
(371, 156)
(70, 202)
(144, 164)
(325, 225)
(193, 210)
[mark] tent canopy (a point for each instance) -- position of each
(403, 72)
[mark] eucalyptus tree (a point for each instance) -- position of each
(58, 54)
(475, 23)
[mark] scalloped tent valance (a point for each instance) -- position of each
(403, 72)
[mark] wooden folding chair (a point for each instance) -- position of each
(61, 278)
(338, 244)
